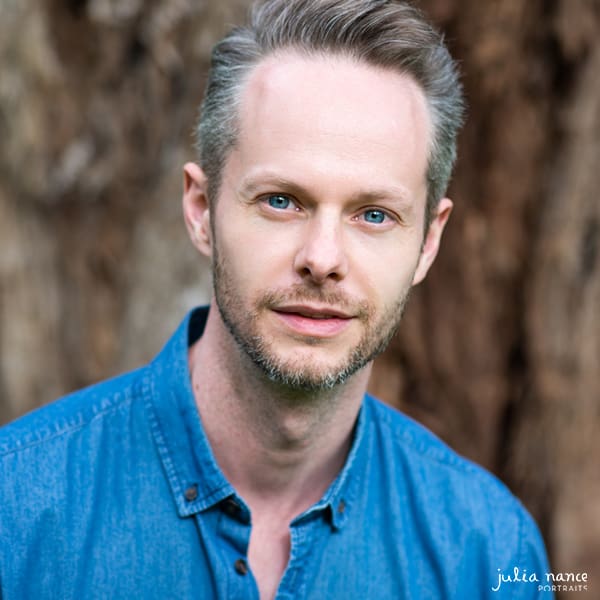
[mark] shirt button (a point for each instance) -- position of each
(341, 506)
(241, 566)
(231, 507)
(191, 493)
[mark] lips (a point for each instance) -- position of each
(314, 321)
(314, 312)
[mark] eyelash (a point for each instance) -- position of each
(290, 200)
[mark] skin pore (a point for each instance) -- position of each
(315, 240)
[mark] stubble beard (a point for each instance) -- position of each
(242, 322)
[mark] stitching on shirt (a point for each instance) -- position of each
(158, 436)
(123, 399)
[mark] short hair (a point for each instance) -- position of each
(384, 33)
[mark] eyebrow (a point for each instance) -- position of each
(254, 183)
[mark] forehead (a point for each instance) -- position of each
(334, 111)
(327, 89)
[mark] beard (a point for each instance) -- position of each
(242, 321)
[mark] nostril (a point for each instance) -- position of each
(319, 277)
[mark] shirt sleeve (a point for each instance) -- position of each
(532, 556)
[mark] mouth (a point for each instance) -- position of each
(314, 321)
(313, 312)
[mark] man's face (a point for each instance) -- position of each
(318, 228)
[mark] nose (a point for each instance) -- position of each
(322, 256)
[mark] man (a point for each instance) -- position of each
(246, 461)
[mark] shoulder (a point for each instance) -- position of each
(412, 442)
(448, 487)
(457, 519)
(71, 414)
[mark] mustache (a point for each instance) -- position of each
(300, 293)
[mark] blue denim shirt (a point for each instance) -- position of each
(113, 492)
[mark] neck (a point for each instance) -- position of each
(278, 447)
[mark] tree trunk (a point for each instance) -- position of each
(499, 349)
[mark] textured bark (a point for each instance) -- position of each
(498, 352)
(96, 112)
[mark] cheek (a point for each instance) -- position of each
(385, 287)
(384, 270)
(252, 255)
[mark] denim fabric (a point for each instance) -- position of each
(113, 492)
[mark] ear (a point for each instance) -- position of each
(196, 210)
(432, 239)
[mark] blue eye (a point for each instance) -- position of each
(374, 216)
(278, 201)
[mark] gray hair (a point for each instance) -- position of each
(384, 33)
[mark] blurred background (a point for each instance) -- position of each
(499, 352)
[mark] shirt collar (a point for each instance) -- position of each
(195, 479)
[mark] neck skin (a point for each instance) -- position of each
(280, 450)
